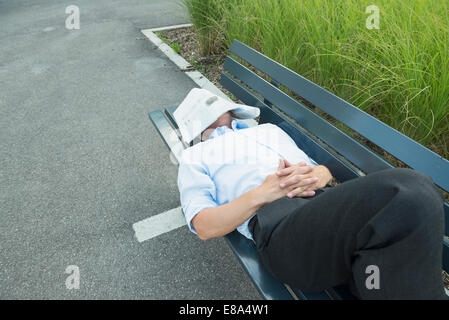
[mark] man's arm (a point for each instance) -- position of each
(219, 221)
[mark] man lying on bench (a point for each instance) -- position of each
(309, 236)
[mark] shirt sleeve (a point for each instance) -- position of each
(197, 190)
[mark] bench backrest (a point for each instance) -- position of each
(322, 141)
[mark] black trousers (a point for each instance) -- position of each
(392, 220)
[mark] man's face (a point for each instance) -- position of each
(223, 120)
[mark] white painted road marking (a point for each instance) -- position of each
(159, 224)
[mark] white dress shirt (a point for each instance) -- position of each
(232, 162)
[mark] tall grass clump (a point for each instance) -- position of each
(206, 16)
(399, 73)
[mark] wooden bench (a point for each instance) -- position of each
(322, 141)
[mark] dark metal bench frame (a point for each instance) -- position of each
(322, 141)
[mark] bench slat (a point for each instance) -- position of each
(170, 114)
(167, 133)
(402, 147)
(446, 218)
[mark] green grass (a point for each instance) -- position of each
(399, 73)
(198, 66)
(207, 17)
(172, 45)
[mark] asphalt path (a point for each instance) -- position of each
(81, 162)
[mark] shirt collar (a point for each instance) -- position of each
(235, 124)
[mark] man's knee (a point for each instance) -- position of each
(418, 193)
(415, 185)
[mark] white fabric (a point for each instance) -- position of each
(232, 162)
(201, 108)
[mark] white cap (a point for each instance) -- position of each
(201, 108)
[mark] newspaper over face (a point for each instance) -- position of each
(201, 108)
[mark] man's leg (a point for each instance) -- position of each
(392, 220)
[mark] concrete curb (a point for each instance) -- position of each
(195, 75)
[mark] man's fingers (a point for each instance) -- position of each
(306, 182)
(285, 171)
(298, 181)
(288, 164)
(300, 192)
(298, 170)
(281, 164)
(290, 181)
